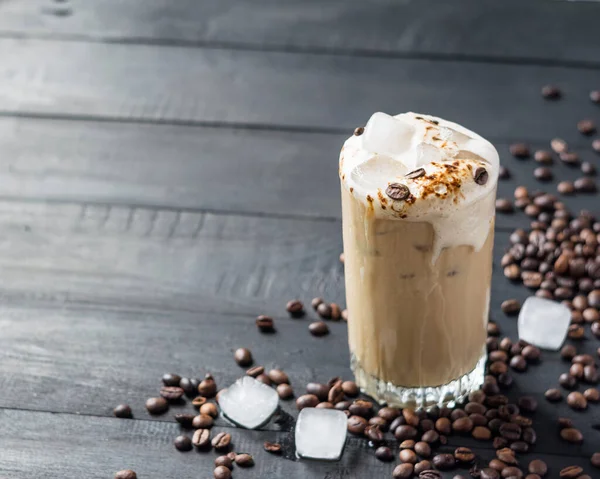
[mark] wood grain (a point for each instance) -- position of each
(197, 169)
(254, 89)
(532, 31)
(96, 448)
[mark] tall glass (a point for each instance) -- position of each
(417, 294)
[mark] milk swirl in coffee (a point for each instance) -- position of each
(418, 196)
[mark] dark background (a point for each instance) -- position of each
(168, 171)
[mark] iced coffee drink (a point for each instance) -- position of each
(418, 201)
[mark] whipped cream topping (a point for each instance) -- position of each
(418, 167)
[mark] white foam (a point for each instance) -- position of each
(447, 196)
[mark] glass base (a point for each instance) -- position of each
(449, 394)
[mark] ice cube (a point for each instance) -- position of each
(544, 323)
(388, 135)
(426, 154)
(248, 402)
(321, 433)
(378, 171)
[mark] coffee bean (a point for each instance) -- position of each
(572, 435)
(126, 474)
(201, 438)
(318, 389)
(295, 308)
(336, 312)
(586, 127)
(345, 315)
(568, 351)
(596, 143)
(497, 465)
(285, 391)
(503, 173)
(202, 421)
(543, 173)
(595, 459)
(408, 455)
(351, 389)
(189, 386)
(403, 471)
(592, 395)
(588, 168)
(427, 425)
(343, 406)
(489, 473)
(569, 158)
(244, 460)
(519, 150)
(422, 466)
(222, 472)
(567, 381)
(481, 433)
(207, 387)
(518, 363)
(324, 405)
(198, 401)
(576, 370)
(512, 472)
(379, 421)
(361, 407)
(171, 379)
(224, 461)
(336, 394)
(266, 324)
(464, 455)
(591, 315)
(324, 310)
(407, 444)
(570, 472)
(443, 426)
(255, 371)
(585, 185)
(499, 443)
(529, 435)
(183, 443)
(272, 447)
(551, 92)
(565, 188)
(123, 411)
(590, 374)
(594, 298)
(510, 306)
(408, 432)
(318, 328)
(157, 405)
(384, 454)
(185, 420)
(537, 466)
(510, 431)
(576, 400)
(278, 376)
(480, 175)
(507, 456)
(209, 409)
(388, 413)
(504, 206)
(171, 393)
(221, 441)
(315, 302)
(444, 462)
(595, 328)
(528, 403)
(306, 400)
(423, 449)
(462, 425)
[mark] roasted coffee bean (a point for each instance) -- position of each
(570, 472)
(476, 408)
(496, 400)
(171, 379)
(412, 419)
(531, 353)
(221, 441)
(403, 471)
(568, 351)
(319, 390)
(388, 413)
(343, 406)
(306, 400)
(407, 444)
(518, 363)
(398, 191)
(567, 381)
(295, 308)
(498, 355)
(350, 388)
(595, 459)
(272, 447)
(222, 472)
(498, 367)
(590, 315)
(157, 405)
(551, 92)
(336, 394)
(497, 465)
(277, 376)
(564, 422)
(202, 421)
(521, 421)
(209, 409)
(512, 272)
(384, 454)
(576, 400)
(379, 421)
(201, 438)
(126, 474)
(529, 435)
(266, 324)
(324, 310)
(198, 401)
(185, 420)
(586, 127)
(481, 433)
(590, 374)
(543, 173)
(183, 443)
(408, 455)
(189, 386)
(171, 393)
(520, 447)
(570, 434)
(499, 443)
(510, 431)
(595, 328)
(569, 157)
(510, 306)
(224, 461)
(489, 473)
(527, 403)
(422, 466)
(427, 425)
(123, 411)
(318, 328)
(255, 371)
(423, 449)
(285, 391)
(207, 387)
(324, 405)
(462, 425)
(244, 460)
(464, 455)
(537, 466)
(444, 462)
(504, 206)
(503, 173)
(576, 370)
(408, 432)
(443, 426)
(543, 156)
(519, 150)
(336, 312)
(591, 395)
(585, 185)
(512, 472)
(361, 407)
(507, 456)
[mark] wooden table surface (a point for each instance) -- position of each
(169, 171)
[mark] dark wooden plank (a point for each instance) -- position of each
(174, 84)
(203, 169)
(511, 30)
(94, 448)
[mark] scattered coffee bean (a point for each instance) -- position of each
(336, 312)
(462, 425)
(357, 425)
(529, 435)
(189, 386)
(224, 461)
(481, 433)
(221, 441)
(285, 391)
(295, 308)
(592, 395)
(361, 407)
(570, 434)
(585, 185)
(543, 156)
(543, 173)
(198, 401)
(567, 381)
(444, 461)
(374, 434)
(209, 409)
(185, 420)
(537, 466)
(504, 206)
(345, 315)
(207, 387)
(596, 145)
(503, 173)
(489, 473)
(570, 472)
(595, 96)
(359, 131)
(586, 127)
(126, 474)
(325, 405)
(157, 405)
(266, 324)
(171, 379)
(520, 447)
(565, 188)
(384, 454)
(272, 447)
(403, 471)
(551, 92)
(510, 306)
(464, 455)
(307, 400)
(510, 431)
(576, 400)
(123, 411)
(553, 395)
(588, 168)
(315, 302)
(243, 357)
(278, 376)
(318, 328)
(423, 449)
(407, 444)
(202, 421)
(244, 460)
(171, 393)
(263, 378)
(222, 472)
(595, 459)
(201, 438)
(183, 443)
(531, 353)
(422, 466)
(507, 456)
(324, 310)
(527, 403)
(336, 394)
(512, 472)
(409, 432)
(519, 150)
(408, 455)
(518, 363)
(398, 191)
